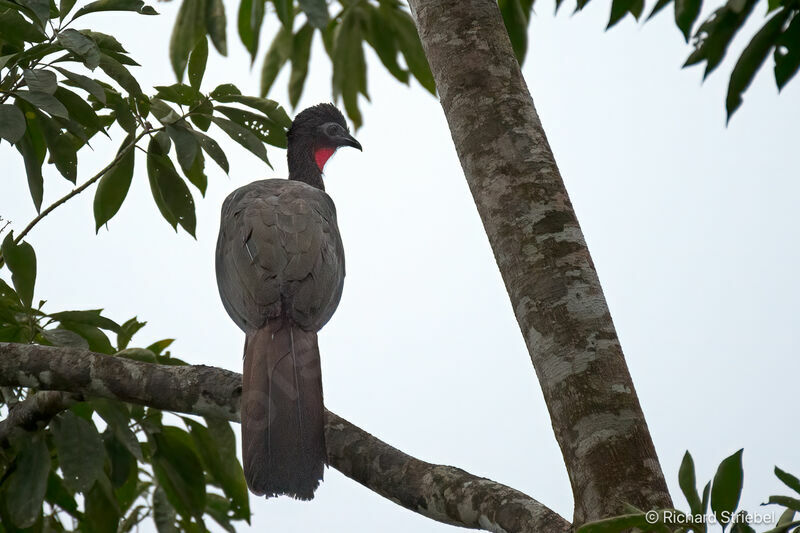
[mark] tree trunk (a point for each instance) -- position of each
(543, 258)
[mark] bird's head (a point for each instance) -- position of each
(315, 135)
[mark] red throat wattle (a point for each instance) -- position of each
(321, 156)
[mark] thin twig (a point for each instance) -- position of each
(78, 190)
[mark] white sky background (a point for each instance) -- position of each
(691, 226)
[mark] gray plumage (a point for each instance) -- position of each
(279, 250)
(280, 272)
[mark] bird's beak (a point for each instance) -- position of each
(349, 140)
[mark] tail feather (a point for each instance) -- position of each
(283, 434)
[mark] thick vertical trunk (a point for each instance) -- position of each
(542, 255)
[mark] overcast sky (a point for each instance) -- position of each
(692, 228)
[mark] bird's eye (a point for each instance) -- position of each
(333, 130)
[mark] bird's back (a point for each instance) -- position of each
(279, 252)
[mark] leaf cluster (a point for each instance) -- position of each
(52, 104)
(384, 25)
(105, 465)
(387, 28)
(722, 495)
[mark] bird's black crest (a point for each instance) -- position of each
(314, 116)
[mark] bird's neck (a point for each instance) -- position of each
(306, 165)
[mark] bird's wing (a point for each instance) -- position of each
(278, 251)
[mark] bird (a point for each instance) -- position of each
(280, 272)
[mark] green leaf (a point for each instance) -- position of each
(123, 463)
(786, 501)
(163, 112)
(127, 331)
(285, 11)
(217, 507)
(752, 58)
(87, 84)
(251, 17)
(196, 174)
(33, 149)
(788, 479)
(715, 34)
(163, 512)
(179, 471)
(117, 72)
(33, 167)
(138, 354)
(12, 123)
(40, 80)
(80, 451)
(15, 29)
(211, 147)
(688, 484)
(301, 52)
(189, 29)
(102, 511)
(107, 43)
(349, 66)
(727, 487)
(381, 37)
(201, 114)
(186, 146)
(787, 53)
(41, 8)
(263, 128)
(123, 111)
(65, 338)
(82, 46)
(137, 6)
(114, 186)
(277, 55)
(92, 317)
(517, 26)
(224, 90)
(620, 8)
(21, 261)
(216, 24)
(44, 101)
(28, 483)
(179, 93)
(660, 4)
(170, 193)
(98, 341)
(243, 136)
(57, 494)
(217, 449)
(686, 13)
(411, 48)
(197, 63)
(64, 7)
(62, 152)
(79, 110)
(316, 11)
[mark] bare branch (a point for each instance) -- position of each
(542, 255)
(442, 493)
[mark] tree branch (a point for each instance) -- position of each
(542, 255)
(35, 411)
(442, 493)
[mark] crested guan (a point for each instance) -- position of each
(280, 271)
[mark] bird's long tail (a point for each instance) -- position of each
(283, 434)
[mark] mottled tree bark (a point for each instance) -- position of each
(35, 412)
(442, 493)
(543, 258)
